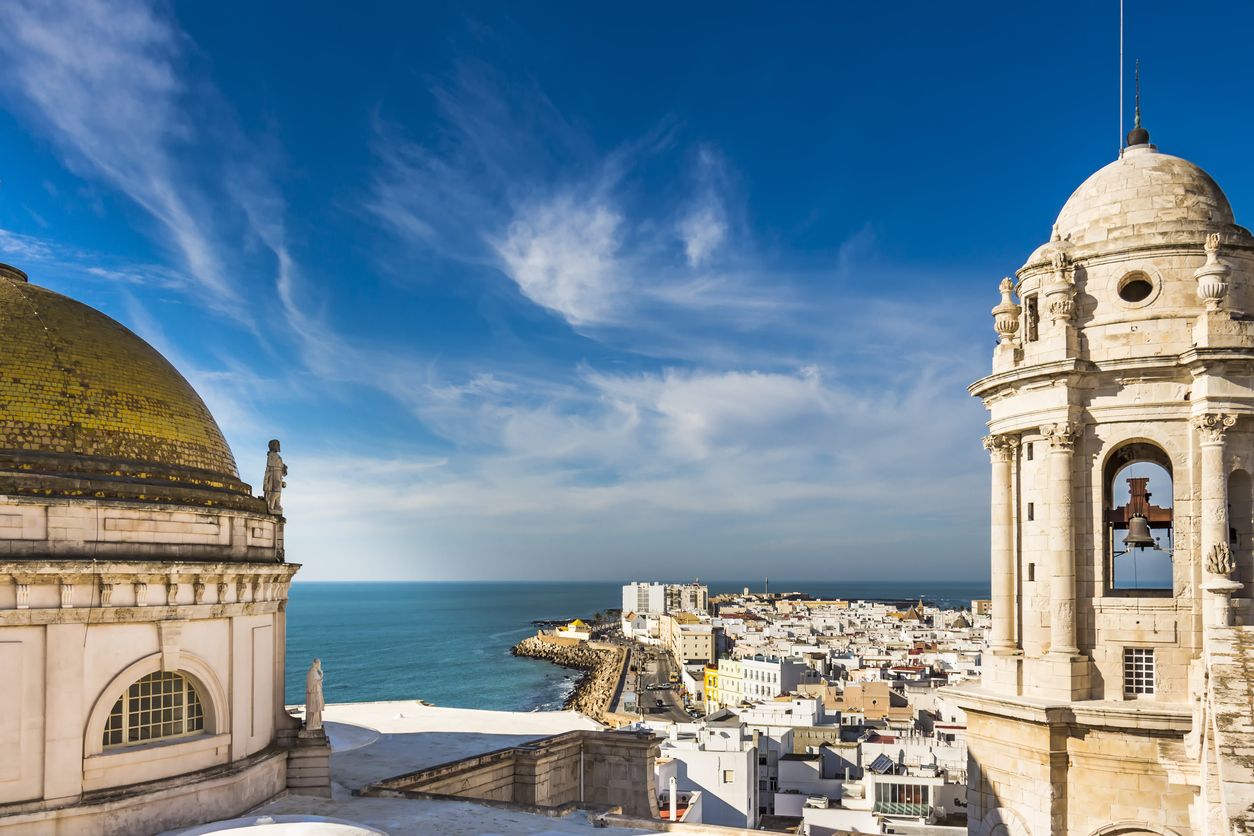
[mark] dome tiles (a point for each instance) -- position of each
(83, 396)
(1143, 192)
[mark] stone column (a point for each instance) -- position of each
(1062, 627)
(1216, 556)
(1001, 449)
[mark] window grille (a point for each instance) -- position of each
(1138, 671)
(161, 705)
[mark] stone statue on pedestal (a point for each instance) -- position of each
(313, 697)
(273, 485)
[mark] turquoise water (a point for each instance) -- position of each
(448, 643)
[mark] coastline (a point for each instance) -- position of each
(602, 666)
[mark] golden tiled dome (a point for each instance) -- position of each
(81, 394)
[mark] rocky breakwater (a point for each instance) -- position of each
(602, 664)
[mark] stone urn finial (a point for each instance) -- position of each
(1006, 314)
(1212, 277)
(1060, 293)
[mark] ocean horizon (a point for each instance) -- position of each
(448, 642)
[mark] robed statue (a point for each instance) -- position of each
(313, 696)
(273, 484)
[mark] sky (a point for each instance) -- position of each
(590, 291)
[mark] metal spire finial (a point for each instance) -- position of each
(1137, 122)
(1138, 135)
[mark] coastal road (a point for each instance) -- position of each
(653, 667)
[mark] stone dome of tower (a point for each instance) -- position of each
(87, 408)
(1144, 192)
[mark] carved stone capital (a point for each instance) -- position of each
(1213, 425)
(1001, 448)
(1062, 436)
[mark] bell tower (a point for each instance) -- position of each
(1120, 404)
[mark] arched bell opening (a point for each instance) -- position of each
(1139, 520)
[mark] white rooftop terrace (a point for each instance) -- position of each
(377, 740)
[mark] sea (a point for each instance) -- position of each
(448, 642)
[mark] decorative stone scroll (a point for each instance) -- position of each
(23, 596)
(1219, 560)
(106, 594)
(141, 594)
(67, 596)
(1063, 435)
(198, 592)
(222, 592)
(1213, 426)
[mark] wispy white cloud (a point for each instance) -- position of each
(704, 226)
(511, 184)
(563, 254)
(103, 78)
(24, 247)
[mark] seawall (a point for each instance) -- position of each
(602, 664)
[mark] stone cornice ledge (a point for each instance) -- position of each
(1125, 715)
(51, 571)
(987, 385)
(1200, 356)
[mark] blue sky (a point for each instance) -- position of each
(559, 290)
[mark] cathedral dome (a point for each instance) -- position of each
(87, 408)
(1143, 192)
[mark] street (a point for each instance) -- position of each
(653, 667)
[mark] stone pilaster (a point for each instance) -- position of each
(1212, 429)
(1062, 618)
(1001, 449)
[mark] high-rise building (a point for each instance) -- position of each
(658, 598)
(644, 598)
(1122, 448)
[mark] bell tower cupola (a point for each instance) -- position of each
(1121, 440)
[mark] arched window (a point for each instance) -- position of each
(1139, 517)
(161, 705)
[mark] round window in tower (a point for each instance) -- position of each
(1136, 289)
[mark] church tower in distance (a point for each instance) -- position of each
(1121, 406)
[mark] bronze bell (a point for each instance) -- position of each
(1139, 536)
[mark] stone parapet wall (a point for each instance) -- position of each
(46, 528)
(581, 768)
(187, 800)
